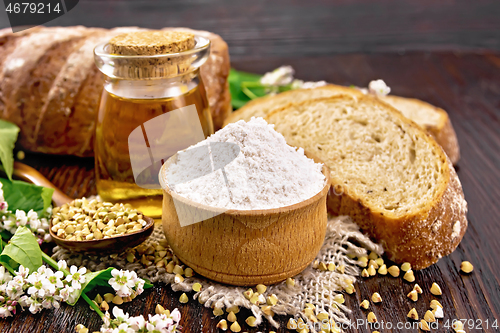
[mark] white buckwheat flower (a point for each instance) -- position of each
(138, 283)
(23, 272)
(4, 275)
(55, 279)
(41, 270)
(32, 215)
(40, 286)
(10, 224)
(107, 320)
(175, 315)
(76, 277)
(66, 294)
(21, 217)
(35, 225)
(107, 330)
(3, 204)
(378, 88)
(122, 282)
(279, 77)
(119, 315)
(15, 287)
(137, 323)
(48, 302)
(34, 304)
(23, 301)
(47, 238)
(158, 323)
(61, 264)
(5, 312)
(123, 328)
(139, 287)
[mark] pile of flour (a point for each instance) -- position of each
(267, 172)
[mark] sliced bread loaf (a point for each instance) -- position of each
(392, 178)
(433, 119)
(17, 66)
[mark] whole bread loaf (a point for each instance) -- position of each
(434, 120)
(387, 173)
(50, 86)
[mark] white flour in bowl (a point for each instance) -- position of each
(266, 173)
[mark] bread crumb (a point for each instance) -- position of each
(436, 225)
(456, 230)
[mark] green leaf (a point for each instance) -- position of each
(46, 197)
(147, 284)
(8, 137)
(99, 279)
(22, 249)
(26, 196)
(5, 234)
(237, 81)
(93, 279)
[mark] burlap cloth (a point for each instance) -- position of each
(314, 286)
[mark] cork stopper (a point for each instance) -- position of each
(152, 42)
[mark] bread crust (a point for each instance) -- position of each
(60, 119)
(420, 238)
(447, 138)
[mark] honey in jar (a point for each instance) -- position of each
(153, 104)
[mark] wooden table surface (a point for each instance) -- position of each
(467, 85)
(312, 27)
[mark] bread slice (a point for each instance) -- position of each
(433, 119)
(389, 175)
(261, 107)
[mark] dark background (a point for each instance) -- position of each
(308, 27)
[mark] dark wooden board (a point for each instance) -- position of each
(467, 85)
(313, 27)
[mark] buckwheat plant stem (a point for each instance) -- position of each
(93, 305)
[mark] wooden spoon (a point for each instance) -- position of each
(30, 175)
(109, 245)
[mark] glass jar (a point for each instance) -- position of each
(151, 107)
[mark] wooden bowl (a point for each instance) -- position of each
(247, 247)
(109, 245)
